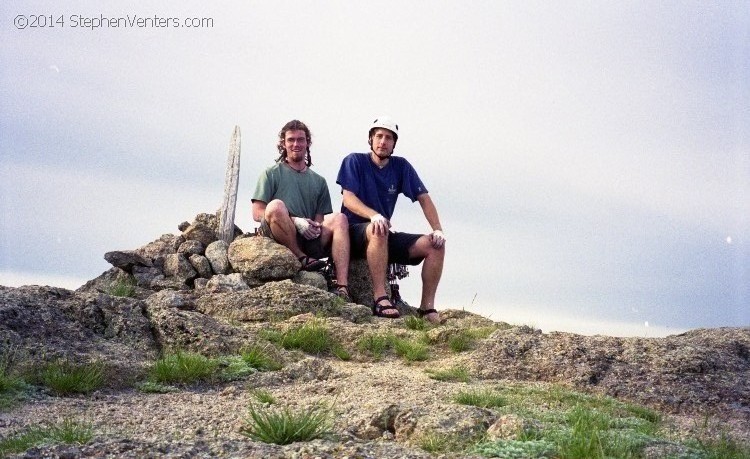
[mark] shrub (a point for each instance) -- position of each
(285, 426)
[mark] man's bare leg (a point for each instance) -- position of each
(377, 261)
(336, 233)
(432, 271)
(282, 226)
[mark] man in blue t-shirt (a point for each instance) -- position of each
(371, 183)
(293, 206)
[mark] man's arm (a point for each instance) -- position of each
(259, 210)
(431, 214)
(354, 204)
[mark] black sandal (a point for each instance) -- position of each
(342, 291)
(311, 264)
(380, 309)
(423, 312)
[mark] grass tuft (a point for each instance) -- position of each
(12, 386)
(453, 374)
(264, 396)
(461, 342)
(416, 323)
(284, 426)
(260, 358)
(480, 398)
(313, 337)
(375, 344)
(122, 288)
(66, 378)
(151, 387)
(67, 431)
(411, 351)
(183, 368)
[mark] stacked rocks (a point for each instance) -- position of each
(197, 259)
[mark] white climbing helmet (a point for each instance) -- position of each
(385, 122)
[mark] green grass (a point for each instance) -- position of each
(12, 389)
(122, 287)
(260, 358)
(461, 342)
(411, 350)
(67, 432)
(66, 378)
(264, 396)
(313, 337)
(481, 398)
(416, 323)
(375, 344)
(283, 426)
(183, 368)
(570, 424)
(440, 443)
(453, 374)
(151, 387)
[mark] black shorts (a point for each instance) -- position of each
(312, 248)
(398, 245)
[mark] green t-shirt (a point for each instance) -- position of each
(305, 194)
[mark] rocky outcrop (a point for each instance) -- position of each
(189, 292)
(683, 373)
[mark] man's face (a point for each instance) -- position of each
(382, 142)
(295, 143)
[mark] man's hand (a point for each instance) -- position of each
(380, 225)
(437, 238)
(309, 229)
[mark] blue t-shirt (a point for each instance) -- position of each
(378, 188)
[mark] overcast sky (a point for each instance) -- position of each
(590, 161)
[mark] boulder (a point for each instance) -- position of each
(126, 259)
(177, 326)
(178, 267)
(191, 247)
(278, 300)
(312, 279)
(201, 265)
(226, 283)
(216, 252)
(260, 259)
(360, 282)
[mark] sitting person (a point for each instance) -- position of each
(371, 183)
(293, 206)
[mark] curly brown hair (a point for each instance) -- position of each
(294, 125)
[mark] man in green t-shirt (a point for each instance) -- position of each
(293, 206)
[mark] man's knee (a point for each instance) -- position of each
(276, 209)
(340, 222)
(374, 238)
